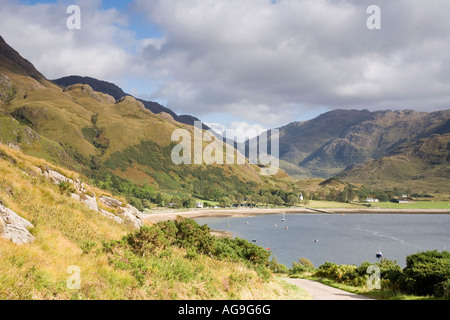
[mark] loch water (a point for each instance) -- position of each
(340, 238)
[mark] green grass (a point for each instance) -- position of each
(69, 234)
(415, 205)
(315, 204)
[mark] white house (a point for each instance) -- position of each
(199, 205)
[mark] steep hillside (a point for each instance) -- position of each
(119, 144)
(117, 93)
(55, 245)
(12, 60)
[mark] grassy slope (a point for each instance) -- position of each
(70, 234)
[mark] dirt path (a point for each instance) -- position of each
(319, 291)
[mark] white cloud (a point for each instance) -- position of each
(238, 130)
(40, 34)
(259, 61)
(270, 62)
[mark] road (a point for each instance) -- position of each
(320, 291)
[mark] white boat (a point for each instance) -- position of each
(284, 217)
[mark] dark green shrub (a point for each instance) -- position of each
(303, 265)
(327, 270)
(348, 274)
(277, 267)
(443, 289)
(133, 249)
(66, 187)
(146, 240)
(425, 273)
(390, 270)
(191, 235)
(88, 246)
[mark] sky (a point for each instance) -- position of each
(246, 63)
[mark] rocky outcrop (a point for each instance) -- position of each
(81, 194)
(89, 201)
(56, 177)
(14, 227)
(111, 216)
(99, 96)
(127, 212)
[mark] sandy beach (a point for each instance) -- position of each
(202, 213)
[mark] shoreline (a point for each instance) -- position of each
(217, 213)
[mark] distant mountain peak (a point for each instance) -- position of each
(96, 85)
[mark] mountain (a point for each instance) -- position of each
(119, 145)
(117, 93)
(422, 166)
(326, 145)
(63, 238)
(12, 59)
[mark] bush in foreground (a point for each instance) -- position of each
(426, 274)
(196, 239)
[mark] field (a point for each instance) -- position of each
(414, 205)
(315, 204)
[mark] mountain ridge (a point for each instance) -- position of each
(24, 65)
(116, 92)
(328, 144)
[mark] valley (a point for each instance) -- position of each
(83, 166)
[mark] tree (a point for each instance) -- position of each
(292, 199)
(189, 202)
(239, 198)
(225, 201)
(278, 201)
(217, 193)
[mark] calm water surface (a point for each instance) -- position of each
(343, 239)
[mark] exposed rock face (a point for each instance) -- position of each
(127, 212)
(57, 177)
(14, 227)
(81, 195)
(91, 202)
(111, 216)
(111, 202)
